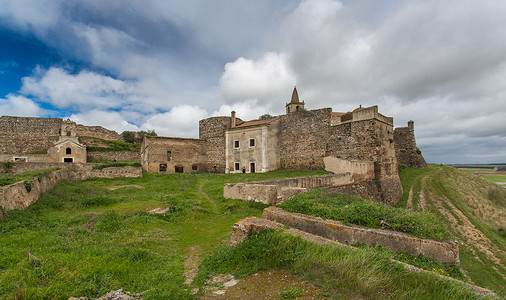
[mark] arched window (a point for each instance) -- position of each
(68, 151)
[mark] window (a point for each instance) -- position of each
(252, 142)
(195, 167)
(68, 151)
(163, 167)
(178, 169)
(169, 155)
(236, 166)
(236, 144)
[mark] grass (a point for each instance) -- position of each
(477, 208)
(114, 146)
(6, 179)
(495, 178)
(88, 240)
(355, 210)
(340, 272)
(117, 164)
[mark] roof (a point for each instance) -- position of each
(295, 96)
(257, 122)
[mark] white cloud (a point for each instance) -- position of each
(109, 119)
(36, 15)
(260, 79)
(246, 111)
(180, 121)
(15, 105)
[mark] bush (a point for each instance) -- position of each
(355, 210)
(7, 166)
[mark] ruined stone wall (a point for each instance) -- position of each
(212, 131)
(337, 231)
(114, 156)
(21, 194)
(187, 154)
(302, 138)
(28, 135)
(98, 132)
(407, 152)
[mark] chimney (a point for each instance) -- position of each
(232, 120)
(411, 125)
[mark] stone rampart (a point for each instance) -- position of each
(337, 231)
(275, 191)
(302, 139)
(98, 132)
(361, 170)
(406, 150)
(28, 135)
(21, 194)
(113, 156)
(212, 131)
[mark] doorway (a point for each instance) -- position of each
(252, 167)
(68, 159)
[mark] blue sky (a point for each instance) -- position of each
(163, 65)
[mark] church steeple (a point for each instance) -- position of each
(295, 103)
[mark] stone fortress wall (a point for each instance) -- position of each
(21, 135)
(212, 131)
(407, 152)
(98, 132)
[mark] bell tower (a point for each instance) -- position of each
(294, 104)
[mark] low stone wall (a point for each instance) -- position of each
(248, 226)
(361, 170)
(114, 155)
(275, 191)
(21, 194)
(21, 167)
(337, 231)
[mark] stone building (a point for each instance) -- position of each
(300, 139)
(24, 139)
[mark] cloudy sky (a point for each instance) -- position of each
(164, 65)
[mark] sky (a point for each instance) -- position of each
(164, 65)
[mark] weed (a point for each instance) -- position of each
(290, 292)
(28, 185)
(7, 166)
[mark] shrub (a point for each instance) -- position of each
(28, 185)
(7, 166)
(355, 210)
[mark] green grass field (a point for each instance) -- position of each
(82, 239)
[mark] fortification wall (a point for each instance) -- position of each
(276, 191)
(98, 132)
(369, 140)
(337, 231)
(21, 194)
(212, 131)
(302, 138)
(406, 150)
(113, 156)
(26, 135)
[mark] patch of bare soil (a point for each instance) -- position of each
(112, 188)
(191, 263)
(409, 205)
(159, 210)
(261, 285)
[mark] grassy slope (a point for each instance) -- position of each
(88, 240)
(85, 240)
(471, 207)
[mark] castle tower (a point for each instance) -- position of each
(294, 104)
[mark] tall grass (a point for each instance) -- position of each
(355, 210)
(341, 272)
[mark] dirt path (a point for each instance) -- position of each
(409, 205)
(422, 203)
(112, 188)
(191, 263)
(467, 229)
